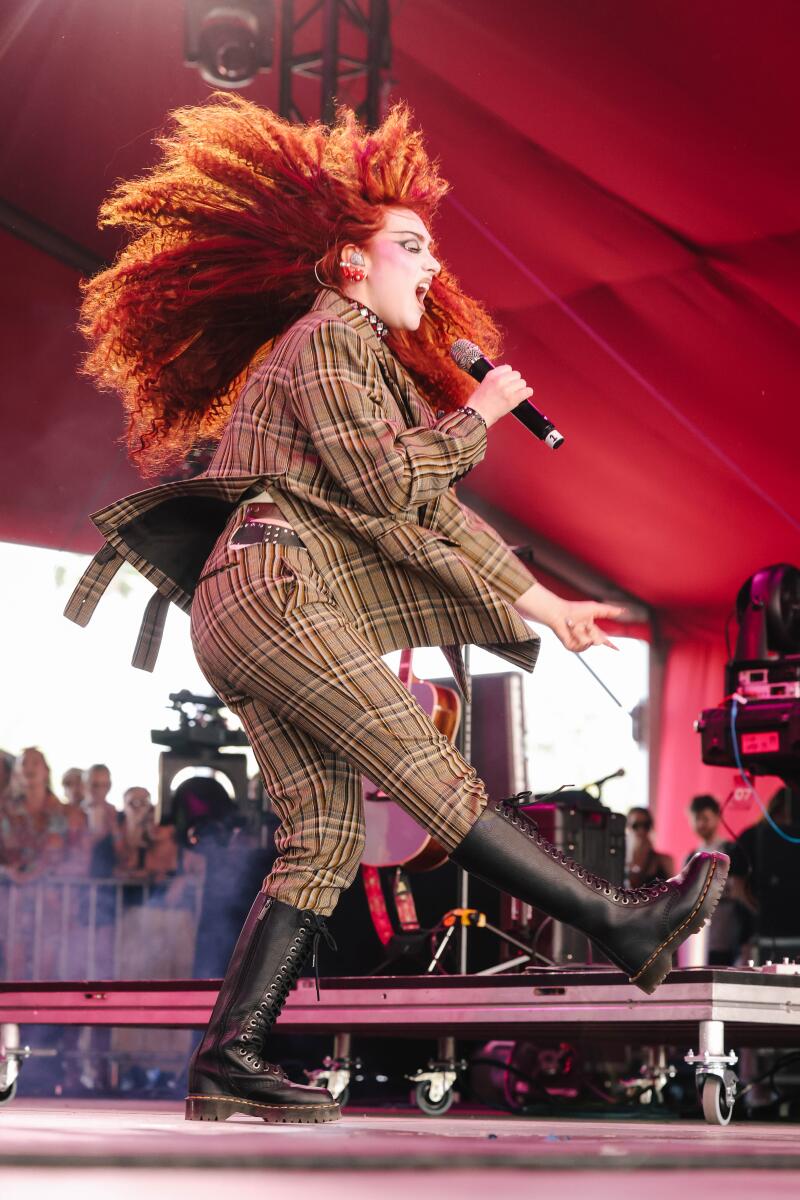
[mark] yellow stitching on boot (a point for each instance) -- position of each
(674, 934)
(255, 1103)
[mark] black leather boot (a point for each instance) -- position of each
(638, 929)
(227, 1072)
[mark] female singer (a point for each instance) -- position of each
(282, 294)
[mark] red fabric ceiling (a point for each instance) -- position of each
(625, 197)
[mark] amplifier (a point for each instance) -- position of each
(581, 826)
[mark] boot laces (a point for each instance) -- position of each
(273, 1000)
(509, 809)
(319, 930)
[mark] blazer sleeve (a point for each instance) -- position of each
(337, 389)
(487, 553)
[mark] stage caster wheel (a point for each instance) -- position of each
(432, 1108)
(717, 1109)
(9, 1093)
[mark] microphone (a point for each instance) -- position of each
(471, 359)
(614, 775)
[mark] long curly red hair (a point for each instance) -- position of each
(225, 231)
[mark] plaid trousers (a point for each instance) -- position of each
(320, 708)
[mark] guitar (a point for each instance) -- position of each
(393, 838)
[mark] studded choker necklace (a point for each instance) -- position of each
(377, 324)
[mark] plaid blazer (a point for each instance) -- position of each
(364, 471)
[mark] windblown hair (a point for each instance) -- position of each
(224, 233)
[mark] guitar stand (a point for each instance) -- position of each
(471, 918)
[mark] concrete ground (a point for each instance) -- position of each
(147, 1151)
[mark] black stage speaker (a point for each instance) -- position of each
(581, 826)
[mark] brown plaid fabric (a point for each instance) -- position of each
(362, 469)
(291, 637)
(331, 410)
(320, 708)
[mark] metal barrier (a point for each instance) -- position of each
(114, 928)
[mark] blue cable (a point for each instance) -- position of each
(786, 837)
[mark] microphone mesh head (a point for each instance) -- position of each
(464, 353)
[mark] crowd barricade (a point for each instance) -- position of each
(88, 928)
(76, 928)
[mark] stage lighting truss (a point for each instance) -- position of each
(325, 51)
(334, 51)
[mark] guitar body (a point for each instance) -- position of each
(393, 838)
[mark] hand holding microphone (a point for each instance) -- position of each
(502, 390)
(499, 393)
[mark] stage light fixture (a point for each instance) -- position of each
(230, 43)
(768, 611)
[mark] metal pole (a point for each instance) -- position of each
(287, 41)
(378, 33)
(463, 882)
(330, 58)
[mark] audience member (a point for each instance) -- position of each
(78, 842)
(32, 822)
(6, 771)
(102, 816)
(32, 841)
(136, 834)
(726, 930)
(705, 819)
(73, 787)
(644, 863)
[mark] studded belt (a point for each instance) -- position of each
(261, 531)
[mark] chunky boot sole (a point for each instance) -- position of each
(658, 966)
(219, 1108)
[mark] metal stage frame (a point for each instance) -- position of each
(704, 1006)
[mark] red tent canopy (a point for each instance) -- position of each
(626, 200)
